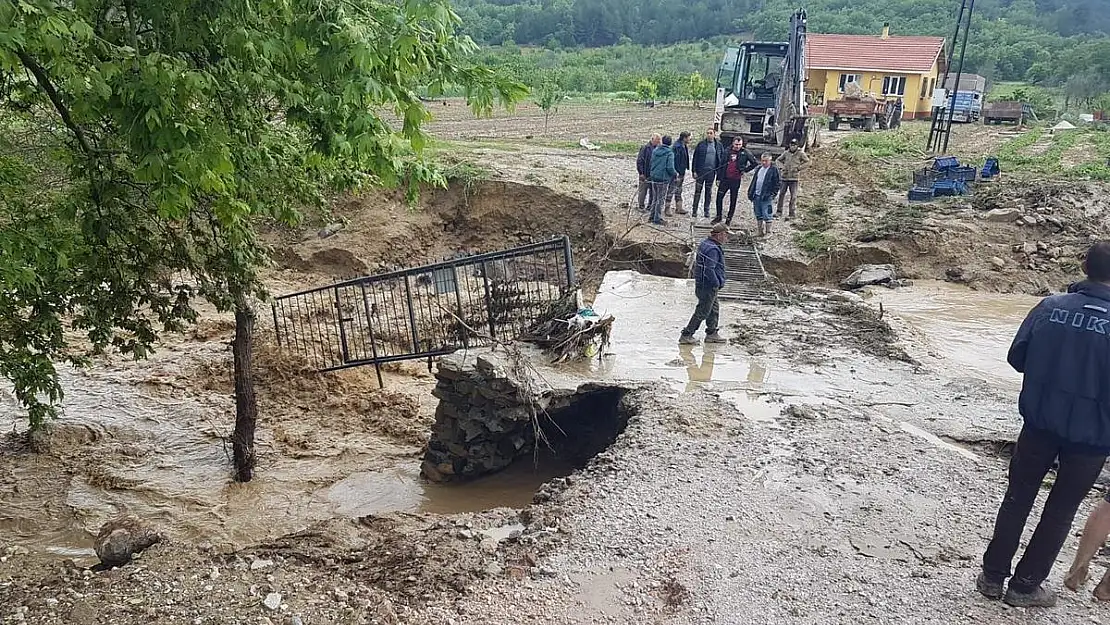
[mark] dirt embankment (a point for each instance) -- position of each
(1022, 233)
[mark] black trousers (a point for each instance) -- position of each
(1034, 455)
(732, 187)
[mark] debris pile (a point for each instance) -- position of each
(571, 331)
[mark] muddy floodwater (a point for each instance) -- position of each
(126, 450)
(964, 328)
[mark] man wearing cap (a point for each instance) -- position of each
(709, 277)
(792, 161)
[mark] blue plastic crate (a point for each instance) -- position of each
(965, 173)
(921, 194)
(949, 188)
(945, 162)
(991, 168)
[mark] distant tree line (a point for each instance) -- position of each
(1045, 42)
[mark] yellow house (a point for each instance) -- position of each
(883, 66)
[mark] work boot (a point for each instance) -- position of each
(687, 339)
(790, 216)
(713, 337)
(767, 227)
(667, 210)
(759, 228)
(716, 220)
(1038, 598)
(678, 208)
(989, 588)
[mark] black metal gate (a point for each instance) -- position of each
(425, 311)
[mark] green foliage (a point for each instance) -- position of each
(813, 235)
(698, 88)
(547, 96)
(144, 140)
(909, 139)
(1042, 41)
(646, 90)
(1044, 105)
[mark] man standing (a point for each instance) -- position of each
(1063, 350)
(709, 156)
(736, 164)
(709, 277)
(681, 165)
(765, 184)
(792, 161)
(662, 176)
(643, 167)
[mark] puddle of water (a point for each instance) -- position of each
(754, 407)
(403, 490)
(650, 312)
(970, 329)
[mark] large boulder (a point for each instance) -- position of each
(865, 275)
(120, 539)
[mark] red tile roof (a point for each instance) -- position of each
(909, 55)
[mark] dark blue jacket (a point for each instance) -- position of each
(771, 183)
(699, 155)
(643, 160)
(662, 164)
(681, 158)
(1063, 350)
(709, 265)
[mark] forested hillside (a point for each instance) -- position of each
(1042, 41)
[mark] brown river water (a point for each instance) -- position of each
(125, 449)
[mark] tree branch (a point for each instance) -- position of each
(44, 82)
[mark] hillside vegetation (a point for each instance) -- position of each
(1047, 42)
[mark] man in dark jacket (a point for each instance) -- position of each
(765, 186)
(736, 164)
(662, 175)
(643, 168)
(681, 165)
(709, 277)
(709, 157)
(1063, 350)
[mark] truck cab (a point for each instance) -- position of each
(751, 76)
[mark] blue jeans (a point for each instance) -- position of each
(658, 195)
(764, 209)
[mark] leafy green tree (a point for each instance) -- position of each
(143, 141)
(646, 90)
(547, 96)
(698, 88)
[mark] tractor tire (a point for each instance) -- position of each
(869, 125)
(834, 123)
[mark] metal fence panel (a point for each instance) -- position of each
(425, 311)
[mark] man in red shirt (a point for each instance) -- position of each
(739, 161)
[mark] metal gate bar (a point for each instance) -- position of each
(425, 311)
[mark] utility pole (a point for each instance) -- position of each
(941, 129)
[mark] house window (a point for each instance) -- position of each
(932, 86)
(924, 88)
(894, 85)
(847, 78)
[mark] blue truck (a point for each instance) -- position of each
(969, 97)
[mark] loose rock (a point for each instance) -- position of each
(865, 275)
(122, 539)
(272, 601)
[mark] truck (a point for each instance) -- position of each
(764, 97)
(969, 106)
(1008, 111)
(864, 112)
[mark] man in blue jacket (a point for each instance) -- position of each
(709, 277)
(662, 175)
(681, 165)
(764, 187)
(1063, 350)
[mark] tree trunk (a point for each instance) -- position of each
(246, 410)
